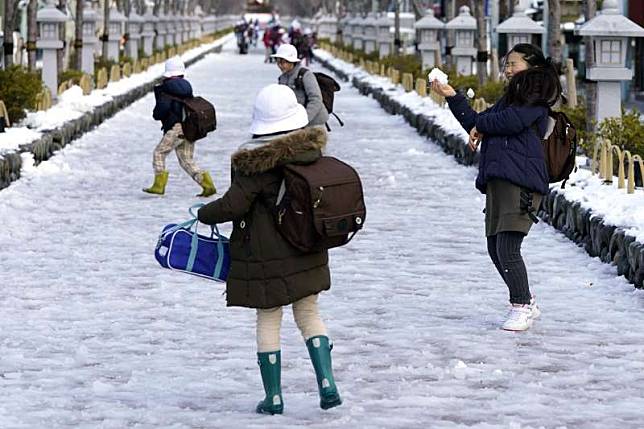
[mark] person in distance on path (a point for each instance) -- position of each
(170, 113)
(512, 169)
(267, 272)
(303, 83)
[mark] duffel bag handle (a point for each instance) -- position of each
(213, 228)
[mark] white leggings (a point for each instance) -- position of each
(269, 322)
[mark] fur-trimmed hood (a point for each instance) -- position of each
(263, 154)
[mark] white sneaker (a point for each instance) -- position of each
(536, 312)
(519, 318)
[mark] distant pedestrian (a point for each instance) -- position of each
(303, 82)
(267, 273)
(170, 112)
(512, 169)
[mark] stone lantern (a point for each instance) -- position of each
(609, 33)
(196, 24)
(187, 28)
(464, 51)
(89, 39)
(170, 29)
(519, 27)
(332, 23)
(134, 24)
(49, 19)
(357, 33)
(385, 36)
(115, 32)
(370, 36)
(209, 24)
(427, 30)
(347, 30)
(147, 35)
(162, 29)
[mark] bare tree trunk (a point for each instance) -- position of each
(78, 35)
(397, 41)
(591, 87)
(106, 27)
(450, 14)
(504, 10)
(481, 34)
(554, 31)
(32, 33)
(8, 26)
(60, 53)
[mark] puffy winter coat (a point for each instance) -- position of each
(309, 95)
(510, 149)
(266, 271)
(168, 111)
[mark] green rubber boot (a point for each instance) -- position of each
(270, 366)
(207, 185)
(320, 353)
(160, 180)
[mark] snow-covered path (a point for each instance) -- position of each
(94, 334)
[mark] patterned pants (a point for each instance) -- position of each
(174, 140)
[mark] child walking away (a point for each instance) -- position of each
(170, 111)
(512, 168)
(267, 272)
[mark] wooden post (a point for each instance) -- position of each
(4, 114)
(571, 83)
(421, 87)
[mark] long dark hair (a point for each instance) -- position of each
(539, 84)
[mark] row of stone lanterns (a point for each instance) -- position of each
(170, 30)
(371, 33)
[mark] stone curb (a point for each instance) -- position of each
(609, 243)
(53, 140)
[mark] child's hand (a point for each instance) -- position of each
(475, 139)
(442, 89)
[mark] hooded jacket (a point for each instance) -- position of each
(309, 95)
(266, 271)
(168, 111)
(511, 150)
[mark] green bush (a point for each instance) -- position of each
(491, 91)
(404, 63)
(73, 75)
(577, 116)
(19, 89)
(626, 132)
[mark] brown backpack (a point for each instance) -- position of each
(560, 147)
(320, 205)
(199, 117)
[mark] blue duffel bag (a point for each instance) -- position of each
(180, 248)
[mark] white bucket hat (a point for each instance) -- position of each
(174, 67)
(287, 52)
(276, 109)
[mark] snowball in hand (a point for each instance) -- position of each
(437, 74)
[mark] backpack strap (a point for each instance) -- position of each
(299, 79)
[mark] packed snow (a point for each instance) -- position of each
(94, 334)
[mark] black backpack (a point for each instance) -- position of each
(559, 147)
(328, 86)
(320, 205)
(199, 117)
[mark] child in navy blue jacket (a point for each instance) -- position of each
(169, 111)
(512, 169)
